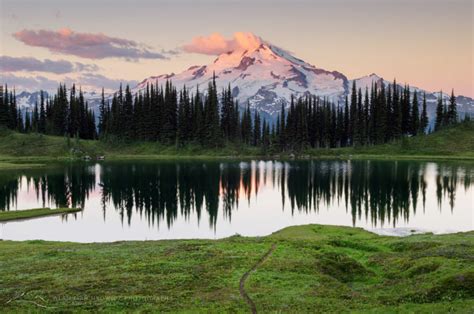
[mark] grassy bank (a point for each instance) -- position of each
(452, 143)
(455, 142)
(312, 268)
(34, 213)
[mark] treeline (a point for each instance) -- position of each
(173, 117)
(60, 115)
(371, 117)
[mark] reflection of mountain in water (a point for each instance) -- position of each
(380, 191)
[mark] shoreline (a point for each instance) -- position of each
(33, 162)
(396, 233)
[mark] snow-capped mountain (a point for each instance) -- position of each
(265, 76)
(26, 100)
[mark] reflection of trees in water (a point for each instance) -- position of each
(10, 184)
(381, 192)
(60, 187)
(158, 190)
(378, 191)
(447, 179)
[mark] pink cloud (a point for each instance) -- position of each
(216, 44)
(86, 45)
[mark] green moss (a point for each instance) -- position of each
(341, 267)
(356, 245)
(313, 269)
(458, 286)
(423, 268)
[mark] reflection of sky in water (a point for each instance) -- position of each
(250, 198)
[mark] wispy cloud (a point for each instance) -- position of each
(31, 83)
(216, 44)
(90, 81)
(15, 64)
(87, 45)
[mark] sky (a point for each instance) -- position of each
(426, 43)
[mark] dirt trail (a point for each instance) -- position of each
(243, 293)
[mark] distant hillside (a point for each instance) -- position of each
(454, 142)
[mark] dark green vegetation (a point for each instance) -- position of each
(451, 142)
(212, 121)
(313, 268)
(456, 142)
(34, 213)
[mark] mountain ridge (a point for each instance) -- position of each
(266, 77)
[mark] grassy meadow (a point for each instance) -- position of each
(312, 268)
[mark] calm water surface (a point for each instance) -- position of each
(175, 200)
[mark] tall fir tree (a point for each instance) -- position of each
(439, 113)
(415, 116)
(13, 120)
(396, 111)
(42, 115)
(452, 109)
(103, 115)
(3, 107)
(257, 131)
(405, 110)
(424, 116)
(353, 114)
(20, 127)
(27, 122)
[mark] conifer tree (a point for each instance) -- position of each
(35, 118)
(353, 114)
(211, 115)
(42, 115)
(424, 116)
(3, 107)
(381, 115)
(373, 114)
(360, 122)
(103, 115)
(246, 128)
(346, 136)
(396, 112)
(282, 128)
(256, 129)
(445, 114)
(265, 135)
(14, 124)
(366, 117)
(405, 110)
(415, 116)
(439, 113)
(27, 122)
(452, 109)
(20, 127)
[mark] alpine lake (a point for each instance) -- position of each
(151, 200)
